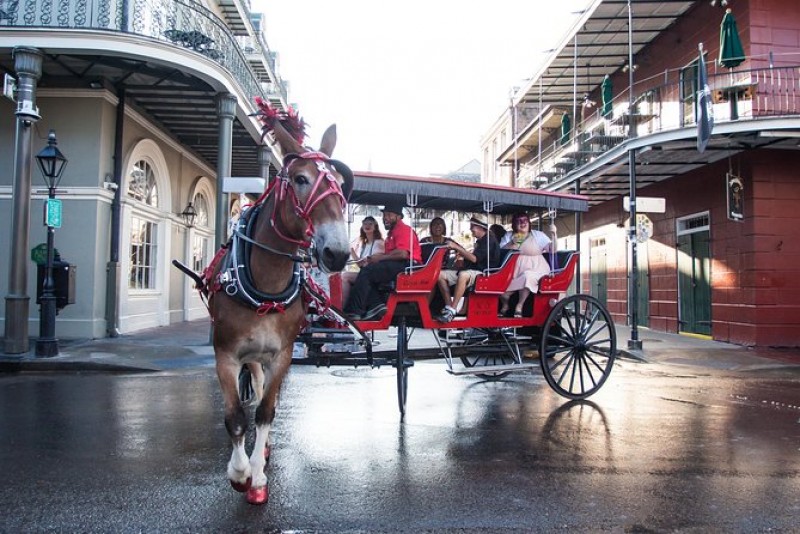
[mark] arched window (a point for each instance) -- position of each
(200, 204)
(142, 185)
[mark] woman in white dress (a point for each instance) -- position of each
(369, 242)
(531, 265)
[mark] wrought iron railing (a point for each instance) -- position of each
(736, 95)
(183, 23)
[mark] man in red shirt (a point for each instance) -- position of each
(365, 302)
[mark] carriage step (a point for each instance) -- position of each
(485, 369)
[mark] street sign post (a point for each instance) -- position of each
(646, 204)
(52, 212)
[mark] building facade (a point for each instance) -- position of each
(151, 103)
(720, 259)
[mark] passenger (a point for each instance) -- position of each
(369, 242)
(531, 265)
(437, 229)
(474, 262)
(402, 244)
(499, 231)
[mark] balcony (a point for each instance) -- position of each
(183, 23)
(738, 97)
(124, 46)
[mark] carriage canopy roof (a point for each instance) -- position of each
(442, 194)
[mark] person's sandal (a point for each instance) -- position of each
(517, 314)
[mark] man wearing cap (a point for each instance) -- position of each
(401, 244)
(486, 254)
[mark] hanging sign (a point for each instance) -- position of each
(734, 186)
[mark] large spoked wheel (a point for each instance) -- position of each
(578, 346)
(401, 365)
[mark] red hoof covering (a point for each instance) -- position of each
(241, 487)
(258, 495)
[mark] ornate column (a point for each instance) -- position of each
(226, 109)
(28, 65)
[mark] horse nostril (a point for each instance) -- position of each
(334, 259)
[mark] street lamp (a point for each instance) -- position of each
(51, 163)
(189, 215)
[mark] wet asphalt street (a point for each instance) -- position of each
(658, 449)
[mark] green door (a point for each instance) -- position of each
(694, 283)
(598, 272)
(643, 285)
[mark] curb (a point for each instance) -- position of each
(47, 366)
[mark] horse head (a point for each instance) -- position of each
(312, 197)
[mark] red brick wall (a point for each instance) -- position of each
(755, 269)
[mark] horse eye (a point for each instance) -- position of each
(301, 179)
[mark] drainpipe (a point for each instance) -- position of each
(113, 276)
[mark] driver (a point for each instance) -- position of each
(401, 244)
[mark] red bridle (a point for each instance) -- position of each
(318, 193)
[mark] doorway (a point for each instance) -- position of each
(694, 274)
(597, 269)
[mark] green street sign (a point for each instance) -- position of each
(52, 212)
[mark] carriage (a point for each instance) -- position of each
(259, 294)
(571, 337)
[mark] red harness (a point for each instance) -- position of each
(283, 189)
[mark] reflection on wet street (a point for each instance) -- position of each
(654, 450)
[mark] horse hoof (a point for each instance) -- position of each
(241, 487)
(258, 495)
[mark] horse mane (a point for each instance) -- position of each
(272, 118)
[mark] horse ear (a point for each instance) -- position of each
(328, 140)
(285, 141)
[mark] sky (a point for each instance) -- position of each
(412, 86)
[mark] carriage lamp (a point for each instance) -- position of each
(51, 163)
(189, 215)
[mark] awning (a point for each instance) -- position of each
(467, 197)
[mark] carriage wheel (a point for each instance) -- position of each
(490, 358)
(578, 346)
(401, 367)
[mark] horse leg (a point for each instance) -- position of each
(235, 422)
(257, 380)
(265, 414)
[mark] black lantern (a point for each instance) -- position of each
(52, 163)
(189, 215)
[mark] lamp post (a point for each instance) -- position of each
(51, 163)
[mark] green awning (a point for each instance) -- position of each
(608, 94)
(731, 52)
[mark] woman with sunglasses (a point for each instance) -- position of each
(369, 242)
(531, 265)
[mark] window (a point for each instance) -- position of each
(201, 208)
(142, 184)
(693, 223)
(143, 254)
(199, 256)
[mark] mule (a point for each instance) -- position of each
(303, 209)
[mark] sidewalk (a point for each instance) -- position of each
(186, 345)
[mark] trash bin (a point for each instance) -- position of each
(63, 283)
